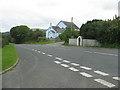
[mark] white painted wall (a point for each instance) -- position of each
(84, 42)
(90, 42)
(73, 41)
(51, 34)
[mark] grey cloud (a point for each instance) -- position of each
(110, 6)
(42, 22)
(47, 4)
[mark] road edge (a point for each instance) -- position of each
(13, 66)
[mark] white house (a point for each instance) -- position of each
(64, 24)
(54, 31)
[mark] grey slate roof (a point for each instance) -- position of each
(69, 24)
(58, 29)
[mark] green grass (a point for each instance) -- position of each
(40, 43)
(9, 56)
(0, 59)
(103, 46)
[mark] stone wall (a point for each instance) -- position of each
(73, 41)
(85, 42)
(90, 42)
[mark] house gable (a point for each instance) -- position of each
(51, 33)
(64, 24)
(61, 25)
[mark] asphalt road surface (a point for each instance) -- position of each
(57, 66)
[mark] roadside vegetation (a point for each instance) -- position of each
(106, 32)
(9, 56)
(24, 35)
(40, 43)
(0, 59)
(68, 33)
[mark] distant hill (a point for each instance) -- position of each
(6, 33)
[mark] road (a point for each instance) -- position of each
(57, 66)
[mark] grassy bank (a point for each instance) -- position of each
(103, 46)
(0, 59)
(9, 56)
(40, 43)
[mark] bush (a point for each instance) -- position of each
(105, 32)
(4, 42)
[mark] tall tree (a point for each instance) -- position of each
(19, 33)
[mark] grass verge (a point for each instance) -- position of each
(40, 43)
(0, 59)
(9, 56)
(103, 46)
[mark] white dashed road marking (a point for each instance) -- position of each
(116, 78)
(75, 64)
(57, 62)
(88, 51)
(108, 84)
(49, 55)
(35, 50)
(43, 53)
(85, 74)
(73, 69)
(38, 51)
(86, 68)
(64, 65)
(102, 53)
(58, 58)
(106, 54)
(101, 73)
(66, 61)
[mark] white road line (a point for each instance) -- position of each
(57, 62)
(73, 69)
(75, 64)
(85, 74)
(38, 51)
(35, 50)
(58, 58)
(49, 55)
(116, 78)
(66, 61)
(88, 51)
(64, 65)
(43, 53)
(101, 73)
(102, 53)
(86, 68)
(105, 53)
(108, 84)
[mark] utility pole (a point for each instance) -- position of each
(71, 26)
(119, 9)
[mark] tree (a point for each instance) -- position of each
(68, 34)
(32, 36)
(19, 33)
(106, 32)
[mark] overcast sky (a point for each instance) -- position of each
(40, 13)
